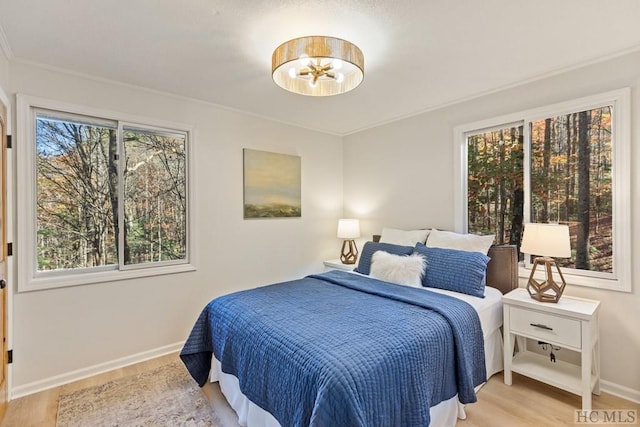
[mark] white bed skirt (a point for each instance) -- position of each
(444, 414)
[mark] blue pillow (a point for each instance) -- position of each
(454, 270)
(364, 265)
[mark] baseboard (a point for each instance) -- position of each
(90, 371)
(620, 391)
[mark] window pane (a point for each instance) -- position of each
(155, 202)
(571, 183)
(76, 194)
(495, 192)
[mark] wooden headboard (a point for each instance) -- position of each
(502, 270)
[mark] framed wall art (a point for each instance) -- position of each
(272, 185)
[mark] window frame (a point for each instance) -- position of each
(620, 99)
(29, 278)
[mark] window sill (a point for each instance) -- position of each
(63, 281)
(579, 280)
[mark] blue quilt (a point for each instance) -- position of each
(341, 349)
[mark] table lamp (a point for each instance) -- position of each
(546, 241)
(348, 229)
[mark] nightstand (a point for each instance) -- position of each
(572, 323)
(336, 264)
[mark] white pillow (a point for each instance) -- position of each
(400, 269)
(402, 237)
(462, 242)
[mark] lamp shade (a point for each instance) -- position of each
(548, 240)
(317, 66)
(348, 229)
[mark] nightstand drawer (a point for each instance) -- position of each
(546, 327)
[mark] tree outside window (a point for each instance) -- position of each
(155, 199)
(95, 208)
(570, 181)
(495, 187)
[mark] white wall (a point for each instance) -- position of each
(4, 85)
(62, 330)
(401, 175)
(4, 69)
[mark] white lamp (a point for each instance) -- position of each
(546, 240)
(348, 229)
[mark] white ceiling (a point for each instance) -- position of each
(419, 54)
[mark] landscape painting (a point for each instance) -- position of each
(272, 185)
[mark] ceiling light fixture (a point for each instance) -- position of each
(317, 66)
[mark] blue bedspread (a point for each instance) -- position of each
(341, 349)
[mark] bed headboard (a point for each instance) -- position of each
(502, 270)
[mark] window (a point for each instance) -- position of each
(566, 163)
(104, 198)
(76, 226)
(155, 202)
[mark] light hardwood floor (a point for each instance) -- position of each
(526, 403)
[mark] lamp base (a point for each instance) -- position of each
(349, 253)
(549, 290)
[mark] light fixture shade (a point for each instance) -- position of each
(548, 240)
(317, 66)
(348, 229)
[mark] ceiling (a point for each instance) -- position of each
(419, 54)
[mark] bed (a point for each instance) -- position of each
(349, 348)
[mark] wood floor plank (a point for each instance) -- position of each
(36, 410)
(526, 403)
(531, 403)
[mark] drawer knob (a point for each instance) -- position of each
(541, 326)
